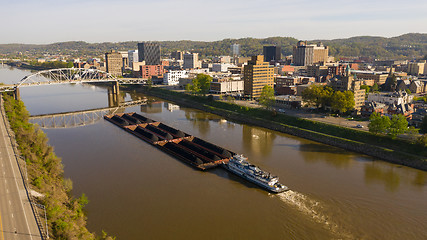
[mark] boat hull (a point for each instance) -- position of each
(251, 179)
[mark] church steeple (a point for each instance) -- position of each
(347, 71)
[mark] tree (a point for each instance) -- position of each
(378, 124)
(342, 101)
(204, 83)
(366, 87)
(317, 95)
(399, 125)
(375, 88)
(267, 96)
(200, 84)
(422, 140)
(149, 83)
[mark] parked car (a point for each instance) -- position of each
(281, 110)
(359, 126)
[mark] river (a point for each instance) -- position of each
(138, 192)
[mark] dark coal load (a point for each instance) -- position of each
(131, 119)
(174, 131)
(161, 133)
(120, 120)
(212, 147)
(142, 118)
(176, 149)
(146, 134)
(199, 150)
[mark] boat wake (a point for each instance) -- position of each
(313, 209)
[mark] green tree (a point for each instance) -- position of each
(200, 84)
(204, 83)
(317, 95)
(149, 83)
(399, 125)
(408, 91)
(267, 96)
(366, 87)
(375, 88)
(342, 101)
(378, 124)
(422, 140)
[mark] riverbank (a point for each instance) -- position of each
(65, 213)
(396, 151)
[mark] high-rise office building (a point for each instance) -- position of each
(272, 53)
(191, 60)
(149, 52)
(235, 50)
(256, 75)
(305, 55)
(133, 57)
(177, 55)
(114, 63)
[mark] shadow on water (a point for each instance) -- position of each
(333, 156)
(383, 174)
(223, 173)
(258, 140)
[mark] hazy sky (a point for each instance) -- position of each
(48, 21)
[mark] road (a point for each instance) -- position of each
(339, 121)
(17, 220)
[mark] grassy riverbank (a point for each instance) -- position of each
(65, 213)
(350, 139)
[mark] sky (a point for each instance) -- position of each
(49, 21)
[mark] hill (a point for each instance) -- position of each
(407, 46)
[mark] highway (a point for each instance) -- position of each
(17, 220)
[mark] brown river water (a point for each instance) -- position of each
(138, 192)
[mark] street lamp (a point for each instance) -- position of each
(44, 208)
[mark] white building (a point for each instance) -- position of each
(221, 67)
(397, 98)
(172, 77)
(227, 86)
(133, 57)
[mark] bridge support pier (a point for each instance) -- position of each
(16, 94)
(114, 95)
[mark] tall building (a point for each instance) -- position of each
(114, 63)
(235, 50)
(177, 55)
(272, 53)
(133, 57)
(148, 71)
(305, 55)
(416, 68)
(257, 74)
(191, 60)
(347, 83)
(149, 52)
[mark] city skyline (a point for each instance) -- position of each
(92, 21)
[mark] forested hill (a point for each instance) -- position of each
(408, 46)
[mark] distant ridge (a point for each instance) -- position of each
(407, 46)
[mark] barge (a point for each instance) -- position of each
(192, 150)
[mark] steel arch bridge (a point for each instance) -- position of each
(66, 75)
(79, 118)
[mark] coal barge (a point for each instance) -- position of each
(192, 150)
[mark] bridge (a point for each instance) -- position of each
(67, 76)
(79, 118)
